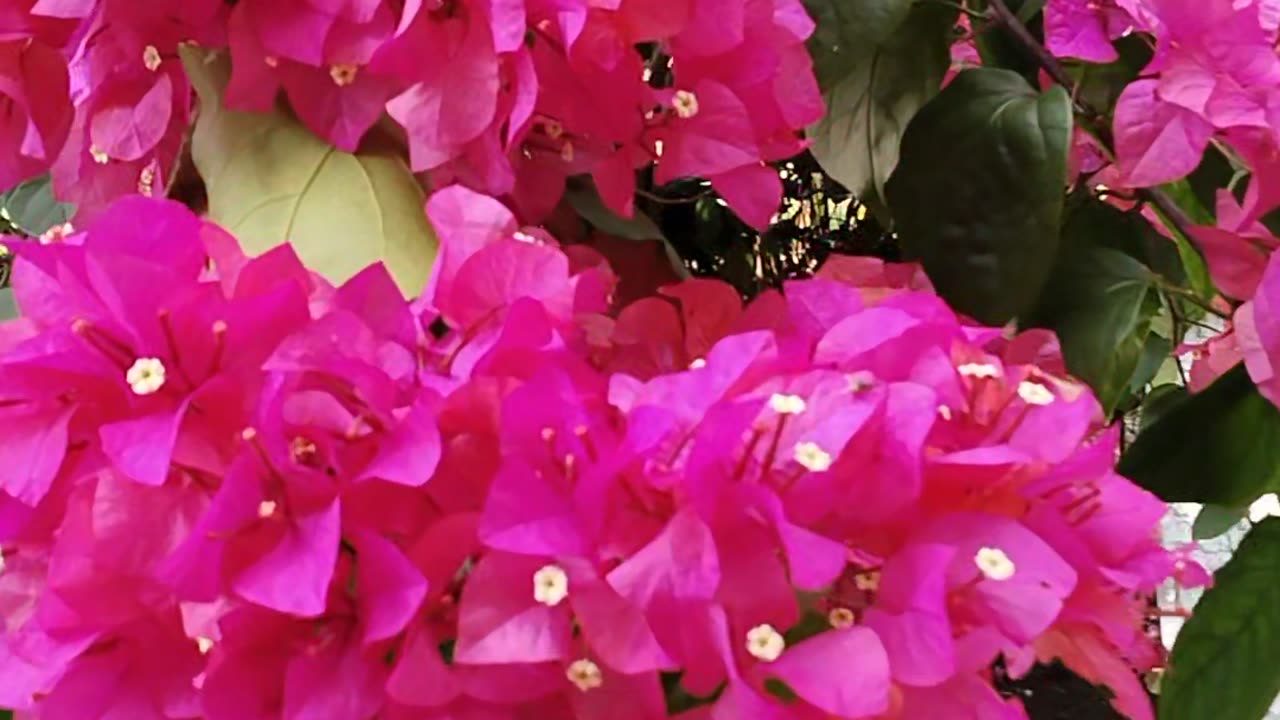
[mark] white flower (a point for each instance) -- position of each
(585, 674)
(550, 585)
(1033, 393)
(145, 376)
(765, 643)
(812, 457)
(979, 370)
(787, 404)
(685, 103)
(994, 564)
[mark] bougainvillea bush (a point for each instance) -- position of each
(356, 370)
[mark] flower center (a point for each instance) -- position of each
(585, 674)
(994, 564)
(550, 585)
(343, 75)
(812, 456)
(685, 103)
(145, 376)
(765, 643)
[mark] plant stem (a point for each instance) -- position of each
(999, 13)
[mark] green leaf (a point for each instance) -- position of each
(1155, 351)
(1220, 445)
(978, 191)
(31, 207)
(1160, 401)
(844, 29)
(868, 108)
(1226, 663)
(1101, 298)
(8, 308)
(1214, 520)
(1095, 302)
(270, 180)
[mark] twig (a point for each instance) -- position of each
(999, 13)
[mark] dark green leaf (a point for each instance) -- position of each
(869, 107)
(1160, 401)
(1155, 352)
(32, 208)
(845, 29)
(986, 229)
(1214, 520)
(1095, 302)
(1101, 297)
(1226, 664)
(1221, 445)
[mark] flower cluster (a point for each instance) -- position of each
(509, 97)
(234, 491)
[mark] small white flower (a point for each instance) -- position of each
(994, 564)
(841, 618)
(861, 380)
(697, 364)
(1033, 393)
(685, 103)
(145, 376)
(812, 457)
(204, 644)
(151, 57)
(343, 75)
(979, 370)
(550, 585)
(765, 643)
(944, 412)
(787, 404)
(867, 581)
(585, 674)
(98, 155)
(267, 508)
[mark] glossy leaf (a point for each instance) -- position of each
(846, 29)
(1226, 663)
(1221, 445)
(868, 108)
(270, 180)
(987, 229)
